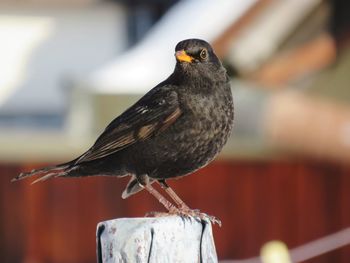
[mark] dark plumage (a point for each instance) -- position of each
(176, 128)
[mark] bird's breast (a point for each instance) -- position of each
(193, 140)
(204, 127)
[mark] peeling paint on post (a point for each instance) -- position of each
(162, 239)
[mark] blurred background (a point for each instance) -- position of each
(67, 68)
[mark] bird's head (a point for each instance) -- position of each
(196, 56)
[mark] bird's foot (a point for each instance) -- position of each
(188, 213)
(195, 213)
(157, 214)
(172, 211)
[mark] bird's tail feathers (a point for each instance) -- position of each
(44, 173)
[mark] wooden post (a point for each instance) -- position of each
(160, 239)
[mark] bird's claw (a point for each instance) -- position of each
(157, 214)
(172, 211)
(187, 214)
(195, 213)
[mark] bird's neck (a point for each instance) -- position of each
(183, 76)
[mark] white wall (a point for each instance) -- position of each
(41, 47)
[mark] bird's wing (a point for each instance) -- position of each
(152, 114)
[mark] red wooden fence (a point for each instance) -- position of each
(294, 201)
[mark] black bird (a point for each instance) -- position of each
(176, 128)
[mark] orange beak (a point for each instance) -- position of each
(183, 57)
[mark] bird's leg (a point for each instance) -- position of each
(144, 182)
(169, 206)
(184, 210)
(181, 204)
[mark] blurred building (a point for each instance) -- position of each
(68, 68)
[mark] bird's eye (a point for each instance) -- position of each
(203, 54)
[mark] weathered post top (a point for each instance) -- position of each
(160, 239)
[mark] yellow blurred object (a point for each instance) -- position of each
(275, 252)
